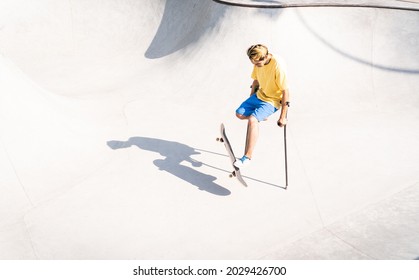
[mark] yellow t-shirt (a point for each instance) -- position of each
(272, 82)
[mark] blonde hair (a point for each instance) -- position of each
(256, 52)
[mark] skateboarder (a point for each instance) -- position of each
(269, 94)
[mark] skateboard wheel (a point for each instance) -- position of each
(231, 175)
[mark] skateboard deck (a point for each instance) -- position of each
(236, 172)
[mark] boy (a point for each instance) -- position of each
(269, 93)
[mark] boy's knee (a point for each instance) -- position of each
(240, 116)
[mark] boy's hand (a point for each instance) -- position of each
(282, 122)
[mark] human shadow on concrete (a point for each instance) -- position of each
(175, 153)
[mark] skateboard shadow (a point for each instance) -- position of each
(175, 153)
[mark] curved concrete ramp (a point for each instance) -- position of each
(109, 115)
(410, 5)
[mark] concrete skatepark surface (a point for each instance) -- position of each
(109, 113)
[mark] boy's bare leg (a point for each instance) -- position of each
(247, 139)
(252, 136)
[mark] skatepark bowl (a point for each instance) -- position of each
(110, 110)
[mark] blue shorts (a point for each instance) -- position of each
(253, 106)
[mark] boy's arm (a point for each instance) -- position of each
(282, 121)
(255, 86)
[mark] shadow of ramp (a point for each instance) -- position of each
(183, 23)
(405, 40)
(175, 153)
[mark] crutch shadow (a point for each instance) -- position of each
(244, 176)
(266, 183)
(174, 154)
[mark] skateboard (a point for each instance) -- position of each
(236, 172)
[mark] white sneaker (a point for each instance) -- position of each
(241, 163)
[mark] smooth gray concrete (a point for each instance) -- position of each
(109, 113)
